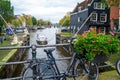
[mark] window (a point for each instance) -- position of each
(79, 19)
(103, 17)
(78, 28)
(99, 5)
(93, 17)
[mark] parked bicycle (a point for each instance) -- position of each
(38, 69)
(118, 66)
(41, 69)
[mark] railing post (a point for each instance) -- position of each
(33, 51)
(34, 58)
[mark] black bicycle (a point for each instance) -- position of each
(38, 69)
(41, 69)
(118, 66)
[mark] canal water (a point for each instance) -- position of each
(51, 38)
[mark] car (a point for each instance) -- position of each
(19, 30)
(64, 29)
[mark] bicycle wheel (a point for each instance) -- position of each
(27, 73)
(118, 66)
(93, 71)
(43, 72)
(81, 69)
(47, 72)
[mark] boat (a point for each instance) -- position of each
(41, 39)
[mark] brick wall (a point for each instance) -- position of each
(114, 14)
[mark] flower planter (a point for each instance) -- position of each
(96, 47)
(99, 58)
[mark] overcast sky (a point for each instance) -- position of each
(52, 10)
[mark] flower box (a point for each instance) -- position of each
(96, 47)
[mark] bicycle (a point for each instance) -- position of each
(118, 66)
(78, 66)
(37, 69)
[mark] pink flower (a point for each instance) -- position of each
(93, 41)
(112, 33)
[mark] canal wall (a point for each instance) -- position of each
(13, 56)
(61, 40)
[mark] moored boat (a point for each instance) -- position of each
(41, 39)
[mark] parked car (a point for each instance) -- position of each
(19, 30)
(64, 29)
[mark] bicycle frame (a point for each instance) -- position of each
(66, 73)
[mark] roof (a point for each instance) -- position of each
(83, 5)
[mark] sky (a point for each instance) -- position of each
(52, 10)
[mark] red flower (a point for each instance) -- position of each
(110, 41)
(94, 34)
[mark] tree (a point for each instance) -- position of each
(110, 3)
(49, 23)
(6, 11)
(34, 21)
(28, 19)
(22, 20)
(16, 22)
(65, 21)
(42, 22)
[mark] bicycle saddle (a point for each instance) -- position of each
(50, 50)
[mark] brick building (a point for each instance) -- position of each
(114, 17)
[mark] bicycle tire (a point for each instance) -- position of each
(47, 72)
(118, 66)
(27, 73)
(80, 69)
(93, 71)
(68, 75)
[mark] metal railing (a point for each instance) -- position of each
(37, 46)
(23, 62)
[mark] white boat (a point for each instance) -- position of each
(41, 39)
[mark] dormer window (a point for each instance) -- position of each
(103, 17)
(93, 17)
(99, 5)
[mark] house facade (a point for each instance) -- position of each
(90, 13)
(114, 18)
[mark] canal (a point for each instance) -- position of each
(50, 33)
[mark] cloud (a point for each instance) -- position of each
(52, 10)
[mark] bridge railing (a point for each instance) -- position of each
(25, 61)
(37, 46)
